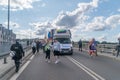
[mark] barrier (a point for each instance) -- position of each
(103, 48)
(7, 66)
(6, 54)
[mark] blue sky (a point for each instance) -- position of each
(99, 19)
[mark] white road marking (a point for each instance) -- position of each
(16, 75)
(87, 70)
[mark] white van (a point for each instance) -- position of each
(64, 37)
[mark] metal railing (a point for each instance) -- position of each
(103, 48)
(6, 54)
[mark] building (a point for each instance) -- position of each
(6, 36)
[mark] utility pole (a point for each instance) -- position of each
(8, 33)
(8, 14)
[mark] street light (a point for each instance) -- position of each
(8, 33)
(8, 14)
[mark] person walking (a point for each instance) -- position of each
(92, 47)
(18, 54)
(40, 45)
(33, 47)
(118, 48)
(80, 45)
(47, 51)
(43, 45)
(56, 47)
(37, 46)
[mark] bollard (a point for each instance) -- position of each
(5, 60)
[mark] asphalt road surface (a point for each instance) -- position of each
(79, 66)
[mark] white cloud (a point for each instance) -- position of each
(18, 4)
(12, 25)
(101, 23)
(70, 20)
(29, 33)
(118, 10)
(76, 17)
(43, 5)
(23, 34)
(97, 24)
(102, 38)
(118, 35)
(113, 21)
(78, 20)
(41, 28)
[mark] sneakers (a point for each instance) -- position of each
(57, 61)
(48, 61)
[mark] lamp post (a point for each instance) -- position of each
(8, 14)
(8, 33)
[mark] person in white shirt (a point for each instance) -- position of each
(56, 49)
(33, 47)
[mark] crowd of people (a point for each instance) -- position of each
(92, 47)
(49, 48)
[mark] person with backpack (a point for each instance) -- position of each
(18, 54)
(33, 47)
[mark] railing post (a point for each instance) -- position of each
(5, 60)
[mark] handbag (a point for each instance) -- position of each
(12, 54)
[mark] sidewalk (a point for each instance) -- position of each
(5, 68)
(110, 55)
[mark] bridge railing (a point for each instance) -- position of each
(103, 48)
(6, 54)
(7, 64)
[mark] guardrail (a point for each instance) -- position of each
(107, 48)
(7, 67)
(6, 54)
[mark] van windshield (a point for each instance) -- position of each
(64, 40)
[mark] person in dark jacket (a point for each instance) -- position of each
(19, 53)
(37, 46)
(80, 45)
(33, 47)
(118, 48)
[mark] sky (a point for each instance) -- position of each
(87, 19)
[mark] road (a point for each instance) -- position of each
(79, 66)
